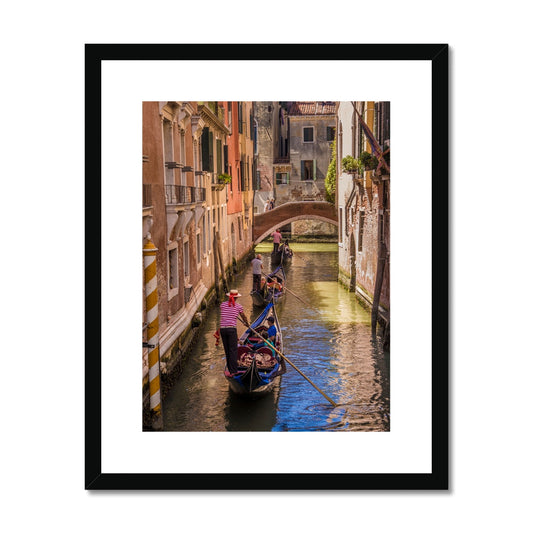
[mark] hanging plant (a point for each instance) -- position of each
(352, 164)
(369, 161)
(224, 178)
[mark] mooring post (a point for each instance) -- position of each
(152, 319)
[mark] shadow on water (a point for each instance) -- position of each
(251, 414)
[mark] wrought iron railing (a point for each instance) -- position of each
(183, 194)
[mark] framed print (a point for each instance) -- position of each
(280, 154)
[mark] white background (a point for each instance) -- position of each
(407, 447)
(43, 264)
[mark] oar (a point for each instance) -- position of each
(293, 365)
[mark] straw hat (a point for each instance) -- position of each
(233, 293)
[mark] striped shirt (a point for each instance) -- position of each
(229, 314)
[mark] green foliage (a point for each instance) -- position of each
(331, 176)
(224, 178)
(369, 162)
(352, 164)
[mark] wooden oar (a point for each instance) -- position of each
(293, 365)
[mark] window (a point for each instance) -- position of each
(208, 234)
(186, 258)
(219, 156)
(361, 227)
(204, 235)
(282, 178)
(308, 170)
(173, 268)
(207, 150)
(252, 129)
(309, 135)
(239, 116)
(330, 133)
(226, 159)
(182, 148)
(230, 117)
(198, 251)
(168, 146)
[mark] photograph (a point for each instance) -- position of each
(266, 259)
(269, 294)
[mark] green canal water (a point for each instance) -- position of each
(328, 338)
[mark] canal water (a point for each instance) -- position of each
(328, 338)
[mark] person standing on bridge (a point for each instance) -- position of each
(271, 203)
(276, 237)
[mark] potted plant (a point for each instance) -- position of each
(369, 161)
(224, 178)
(351, 164)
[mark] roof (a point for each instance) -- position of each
(312, 108)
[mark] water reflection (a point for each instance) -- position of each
(328, 338)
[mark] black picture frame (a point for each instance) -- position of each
(438, 478)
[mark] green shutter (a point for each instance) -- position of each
(219, 156)
(314, 169)
(211, 164)
(205, 149)
(302, 170)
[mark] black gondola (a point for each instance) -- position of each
(283, 255)
(272, 288)
(259, 366)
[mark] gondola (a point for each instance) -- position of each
(272, 288)
(259, 366)
(283, 256)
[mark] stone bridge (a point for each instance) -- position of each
(266, 223)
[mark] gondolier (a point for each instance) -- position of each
(229, 311)
(260, 364)
(257, 267)
(276, 238)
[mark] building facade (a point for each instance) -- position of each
(304, 139)
(186, 147)
(363, 203)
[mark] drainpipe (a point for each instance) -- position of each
(152, 343)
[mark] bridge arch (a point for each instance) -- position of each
(266, 223)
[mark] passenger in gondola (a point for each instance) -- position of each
(272, 331)
(229, 312)
(276, 283)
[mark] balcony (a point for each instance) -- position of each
(182, 194)
(282, 160)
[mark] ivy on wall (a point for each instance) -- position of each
(331, 176)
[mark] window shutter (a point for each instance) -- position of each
(211, 164)
(302, 170)
(219, 156)
(314, 169)
(205, 149)
(225, 158)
